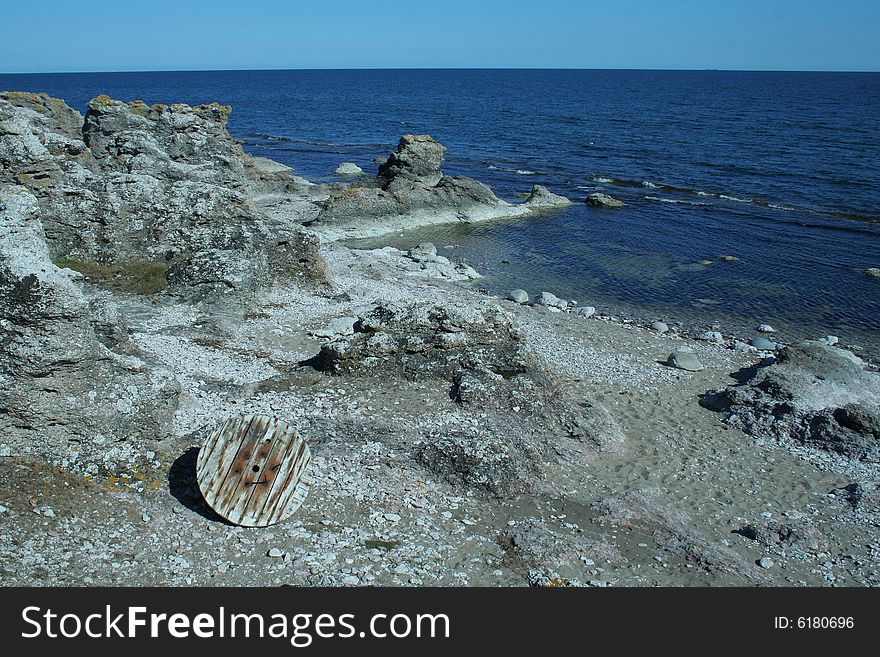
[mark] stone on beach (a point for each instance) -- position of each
(601, 200)
(585, 311)
(815, 394)
(660, 327)
(423, 251)
(518, 295)
(551, 300)
(763, 344)
(685, 360)
(337, 326)
(711, 336)
(348, 169)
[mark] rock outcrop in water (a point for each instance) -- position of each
(814, 394)
(165, 185)
(410, 190)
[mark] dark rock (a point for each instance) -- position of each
(604, 201)
(815, 394)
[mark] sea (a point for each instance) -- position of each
(780, 170)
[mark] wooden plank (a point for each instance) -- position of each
(253, 470)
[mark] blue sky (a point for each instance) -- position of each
(98, 35)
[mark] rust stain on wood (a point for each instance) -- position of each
(253, 470)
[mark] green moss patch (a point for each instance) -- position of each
(138, 276)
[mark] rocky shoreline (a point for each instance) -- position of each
(158, 279)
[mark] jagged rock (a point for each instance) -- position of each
(585, 311)
(488, 462)
(416, 160)
(600, 200)
(860, 496)
(65, 395)
(153, 184)
(409, 191)
(796, 535)
(815, 394)
(830, 340)
(348, 169)
(548, 551)
(424, 251)
(541, 197)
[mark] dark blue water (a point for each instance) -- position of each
(781, 170)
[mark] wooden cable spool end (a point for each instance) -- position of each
(253, 470)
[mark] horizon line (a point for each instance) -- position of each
(441, 68)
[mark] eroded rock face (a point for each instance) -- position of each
(480, 360)
(815, 394)
(410, 190)
(159, 184)
(416, 160)
(72, 390)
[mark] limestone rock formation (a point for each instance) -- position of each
(815, 394)
(410, 190)
(159, 184)
(480, 358)
(72, 391)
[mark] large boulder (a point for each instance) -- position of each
(815, 394)
(73, 391)
(416, 160)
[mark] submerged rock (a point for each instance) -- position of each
(873, 272)
(815, 394)
(601, 200)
